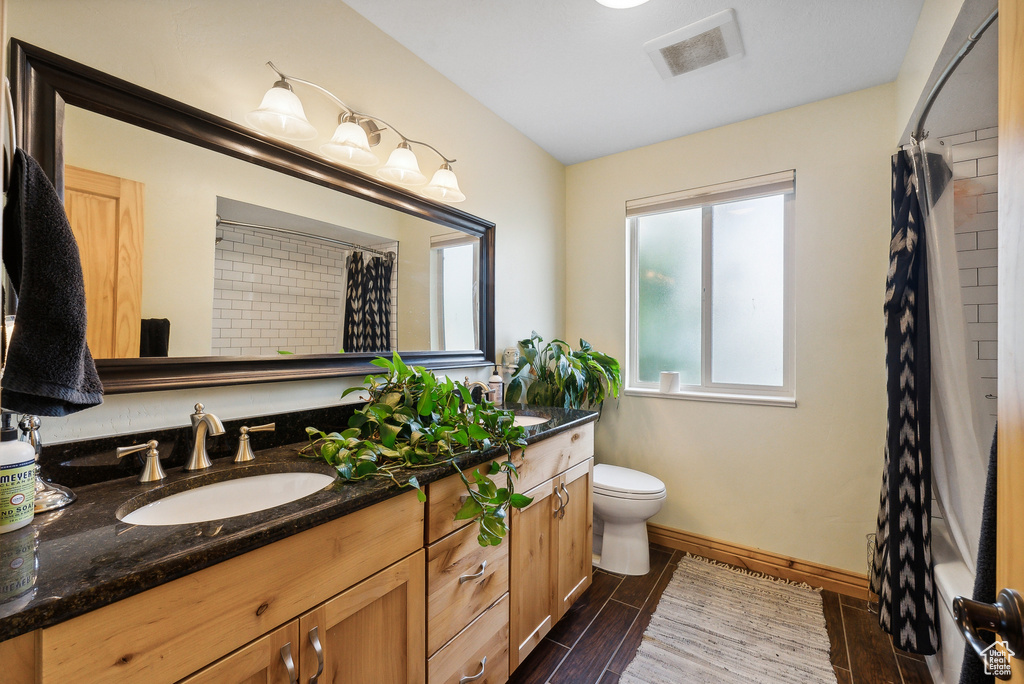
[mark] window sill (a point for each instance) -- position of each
(718, 397)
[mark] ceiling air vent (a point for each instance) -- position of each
(710, 41)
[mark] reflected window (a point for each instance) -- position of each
(455, 308)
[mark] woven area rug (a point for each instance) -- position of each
(718, 624)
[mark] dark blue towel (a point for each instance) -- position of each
(49, 370)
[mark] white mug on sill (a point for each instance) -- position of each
(669, 382)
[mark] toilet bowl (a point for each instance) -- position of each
(623, 501)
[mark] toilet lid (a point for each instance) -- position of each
(617, 481)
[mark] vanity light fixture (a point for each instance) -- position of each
(280, 114)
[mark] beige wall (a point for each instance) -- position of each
(805, 481)
(211, 54)
(933, 27)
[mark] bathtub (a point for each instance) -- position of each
(952, 578)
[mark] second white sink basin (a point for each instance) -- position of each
(229, 498)
(527, 421)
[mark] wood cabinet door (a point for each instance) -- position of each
(272, 659)
(533, 570)
(106, 217)
(575, 534)
(372, 633)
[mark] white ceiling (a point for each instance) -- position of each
(572, 75)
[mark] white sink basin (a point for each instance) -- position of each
(527, 421)
(229, 498)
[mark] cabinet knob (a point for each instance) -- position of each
(478, 675)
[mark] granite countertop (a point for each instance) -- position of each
(86, 558)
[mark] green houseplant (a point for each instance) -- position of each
(415, 420)
(554, 374)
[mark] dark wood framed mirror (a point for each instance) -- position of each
(44, 84)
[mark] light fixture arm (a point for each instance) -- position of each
(352, 112)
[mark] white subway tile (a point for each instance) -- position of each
(960, 138)
(988, 276)
(988, 239)
(982, 331)
(975, 150)
(971, 313)
(966, 241)
(988, 313)
(988, 133)
(965, 169)
(988, 166)
(989, 202)
(978, 295)
(968, 277)
(987, 350)
(978, 258)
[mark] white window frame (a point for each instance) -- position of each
(783, 183)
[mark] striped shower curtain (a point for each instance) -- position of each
(902, 564)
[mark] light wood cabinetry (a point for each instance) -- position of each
(551, 539)
(479, 654)
(575, 534)
(371, 633)
(357, 599)
(268, 660)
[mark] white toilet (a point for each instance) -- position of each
(623, 501)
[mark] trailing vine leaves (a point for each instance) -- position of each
(415, 420)
(556, 375)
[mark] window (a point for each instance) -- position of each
(455, 272)
(710, 291)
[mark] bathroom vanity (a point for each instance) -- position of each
(358, 583)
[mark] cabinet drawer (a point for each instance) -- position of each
(453, 597)
(445, 498)
(544, 460)
(463, 660)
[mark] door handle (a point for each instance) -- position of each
(314, 639)
(466, 578)
(1004, 617)
(289, 664)
(561, 504)
(562, 485)
(478, 675)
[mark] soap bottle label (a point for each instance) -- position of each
(17, 492)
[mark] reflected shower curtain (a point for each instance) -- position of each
(902, 565)
(368, 304)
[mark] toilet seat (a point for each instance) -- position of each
(624, 483)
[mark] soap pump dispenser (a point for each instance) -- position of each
(497, 386)
(17, 478)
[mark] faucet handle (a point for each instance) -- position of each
(152, 471)
(244, 453)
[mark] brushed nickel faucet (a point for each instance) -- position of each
(202, 424)
(485, 389)
(244, 453)
(152, 471)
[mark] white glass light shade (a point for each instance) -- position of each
(402, 167)
(349, 145)
(444, 186)
(280, 114)
(621, 4)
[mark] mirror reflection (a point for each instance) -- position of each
(191, 253)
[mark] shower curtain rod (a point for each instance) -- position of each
(918, 134)
(241, 224)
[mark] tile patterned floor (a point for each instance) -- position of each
(595, 641)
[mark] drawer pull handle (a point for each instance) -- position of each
(314, 639)
(561, 504)
(562, 485)
(478, 675)
(466, 578)
(289, 664)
